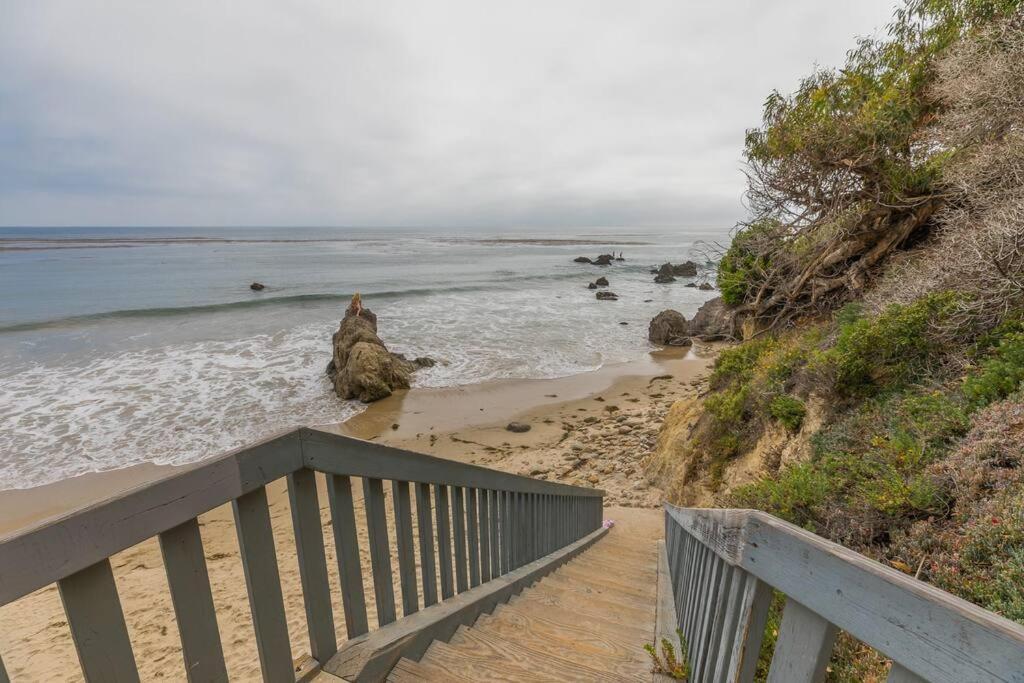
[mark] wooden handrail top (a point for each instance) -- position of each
(39, 555)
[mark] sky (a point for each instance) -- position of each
(396, 112)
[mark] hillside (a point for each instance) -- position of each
(878, 290)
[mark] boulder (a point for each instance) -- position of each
(607, 296)
(713, 321)
(257, 286)
(688, 269)
(582, 259)
(592, 285)
(669, 327)
(603, 260)
(517, 427)
(663, 279)
(706, 287)
(665, 274)
(601, 281)
(361, 366)
(691, 284)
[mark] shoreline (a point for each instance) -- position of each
(467, 423)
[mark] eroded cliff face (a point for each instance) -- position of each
(679, 463)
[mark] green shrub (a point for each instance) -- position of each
(999, 375)
(742, 266)
(871, 353)
(788, 410)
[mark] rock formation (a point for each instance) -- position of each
(257, 286)
(670, 328)
(361, 366)
(601, 281)
(607, 296)
(713, 321)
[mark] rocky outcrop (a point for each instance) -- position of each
(706, 287)
(669, 328)
(257, 286)
(601, 281)
(713, 321)
(602, 260)
(688, 269)
(664, 274)
(361, 366)
(607, 296)
(668, 272)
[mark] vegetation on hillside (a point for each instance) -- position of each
(883, 271)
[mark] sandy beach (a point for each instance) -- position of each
(592, 429)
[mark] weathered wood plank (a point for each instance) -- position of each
(730, 621)
(444, 541)
(473, 537)
(404, 540)
(485, 535)
(803, 648)
(327, 452)
(426, 533)
(346, 546)
(459, 524)
(380, 551)
(309, 546)
(492, 499)
(263, 582)
(746, 644)
(97, 625)
(40, 555)
(192, 599)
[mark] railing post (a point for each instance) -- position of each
(459, 524)
(485, 535)
(403, 538)
(97, 624)
(746, 646)
(492, 497)
(444, 540)
(426, 531)
(803, 648)
(346, 547)
(309, 547)
(473, 537)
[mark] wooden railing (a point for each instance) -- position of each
(491, 527)
(726, 564)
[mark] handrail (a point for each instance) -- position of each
(488, 523)
(725, 564)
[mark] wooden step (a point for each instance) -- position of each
(484, 657)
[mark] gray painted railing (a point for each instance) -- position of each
(489, 524)
(725, 565)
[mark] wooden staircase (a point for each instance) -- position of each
(587, 621)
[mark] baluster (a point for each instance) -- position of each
(753, 614)
(803, 648)
(493, 497)
(346, 546)
(459, 517)
(485, 535)
(403, 537)
(259, 560)
(309, 546)
(717, 621)
(97, 624)
(444, 540)
(729, 619)
(380, 552)
(506, 532)
(192, 599)
(472, 521)
(426, 529)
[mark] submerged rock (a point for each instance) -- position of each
(361, 366)
(582, 259)
(669, 327)
(603, 260)
(592, 285)
(607, 296)
(706, 287)
(257, 286)
(601, 281)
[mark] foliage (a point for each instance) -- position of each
(841, 173)
(788, 410)
(886, 350)
(667, 662)
(1000, 374)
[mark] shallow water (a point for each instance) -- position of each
(120, 346)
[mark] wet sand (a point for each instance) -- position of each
(592, 429)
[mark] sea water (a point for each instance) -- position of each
(120, 346)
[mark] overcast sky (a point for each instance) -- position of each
(458, 114)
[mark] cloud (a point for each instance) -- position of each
(575, 113)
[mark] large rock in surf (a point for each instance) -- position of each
(665, 274)
(713, 321)
(670, 328)
(361, 366)
(688, 269)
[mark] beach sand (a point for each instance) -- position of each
(591, 429)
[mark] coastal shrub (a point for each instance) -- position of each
(788, 410)
(885, 351)
(741, 267)
(998, 375)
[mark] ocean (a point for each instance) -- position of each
(127, 345)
